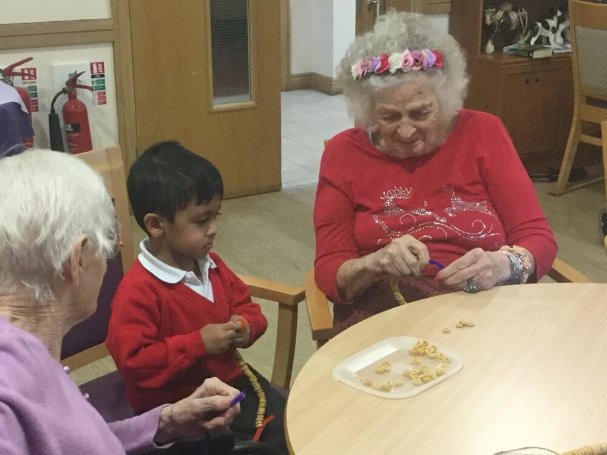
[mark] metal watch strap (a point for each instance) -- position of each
(516, 266)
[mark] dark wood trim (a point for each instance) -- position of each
(57, 33)
(314, 81)
(325, 84)
(299, 81)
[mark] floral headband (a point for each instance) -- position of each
(416, 60)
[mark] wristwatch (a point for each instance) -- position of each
(520, 265)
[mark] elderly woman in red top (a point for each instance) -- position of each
(421, 192)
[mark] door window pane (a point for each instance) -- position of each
(230, 51)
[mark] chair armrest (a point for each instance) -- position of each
(287, 298)
(561, 272)
(273, 290)
(321, 321)
(86, 357)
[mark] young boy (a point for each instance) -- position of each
(180, 313)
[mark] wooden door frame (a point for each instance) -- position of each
(125, 84)
(285, 44)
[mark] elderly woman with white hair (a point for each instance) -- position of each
(422, 197)
(57, 227)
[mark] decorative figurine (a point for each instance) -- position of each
(505, 25)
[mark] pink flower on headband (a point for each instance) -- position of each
(362, 68)
(408, 60)
(418, 60)
(365, 65)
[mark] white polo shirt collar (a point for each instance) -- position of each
(173, 275)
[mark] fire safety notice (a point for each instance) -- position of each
(28, 81)
(98, 83)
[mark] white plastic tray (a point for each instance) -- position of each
(396, 350)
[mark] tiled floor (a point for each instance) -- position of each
(308, 118)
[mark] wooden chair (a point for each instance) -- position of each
(588, 31)
(84, 344)
(107, 393)
(321, 320)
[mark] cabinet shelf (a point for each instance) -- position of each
(501, 58)
(533, 97)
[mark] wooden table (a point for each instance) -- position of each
(535, 374)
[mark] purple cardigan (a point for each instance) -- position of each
(43, 412)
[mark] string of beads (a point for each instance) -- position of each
(260, 419)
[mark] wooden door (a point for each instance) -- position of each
(207, 73)
(368, 10)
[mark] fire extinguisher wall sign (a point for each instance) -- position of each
(98, 83)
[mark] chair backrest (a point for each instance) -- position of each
(321, 319)
(84, 343)
(588, 31)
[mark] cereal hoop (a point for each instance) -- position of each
(398, 296)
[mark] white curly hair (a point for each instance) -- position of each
(395, 32)
(47, 201)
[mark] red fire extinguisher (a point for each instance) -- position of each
(7, 76)
(75, 117)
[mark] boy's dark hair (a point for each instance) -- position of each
(167, 177)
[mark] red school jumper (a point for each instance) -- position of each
(154, 333)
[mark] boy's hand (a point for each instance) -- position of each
(243, 331)
(218, 338)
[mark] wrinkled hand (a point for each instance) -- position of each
(218, 338)
(402, 256)
(487, 268)
(208, 409)
(243, 331)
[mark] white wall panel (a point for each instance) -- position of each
(20, 11)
